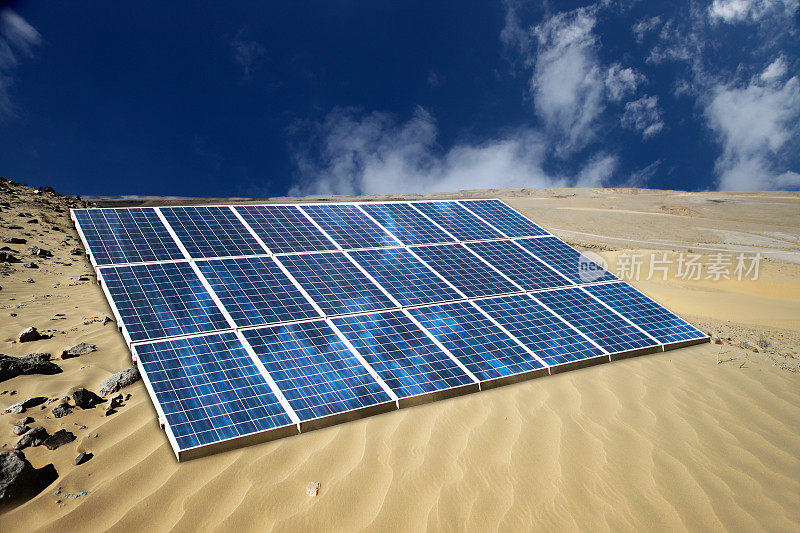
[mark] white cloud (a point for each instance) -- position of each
(435, 79)
(775, 71)
(247, 53)
(756, 124)
(621, 82)
(356, 153)
(643, 115)
(597, 171)
(645, 26)
(18, 39)
(732, 11)
(567, 82)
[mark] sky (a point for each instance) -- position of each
(292, 98)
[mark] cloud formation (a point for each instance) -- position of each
(18, 40)
(247, 53)
(644, 116)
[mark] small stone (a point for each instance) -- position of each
(21, 407)
(6, 257)
(31, 265)
(83, 457)
(34, 437)
(21, 430)
(106, 320)
(29, 280)
(39, 252)
(76, 251)
(15, 240)
(61, 410)
(58, 439)
(77, 350)
(86, 399)
(25, 420)
(312, 489)
(29, 334)
(119, 380)
(716, 340)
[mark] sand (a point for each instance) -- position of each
(706, 437)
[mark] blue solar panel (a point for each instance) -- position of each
(539, 329)
(161, 300)
(402, 355)
(480, 345)
(255, 291)
(595, 320)
(209, 389)
(519, 265)
(211, 231)
(115, 236)
(314, 369)
(461, 268)
(284, 228)
(645, 313)
(566, 260)
(503, 218)
(349, 227)
(459, 222)
(407, 224)
(335, 284)
(404, 276)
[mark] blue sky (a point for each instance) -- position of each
(196, 99)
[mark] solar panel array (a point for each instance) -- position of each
(255, 322)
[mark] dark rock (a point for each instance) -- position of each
(61, 410)
(106, 320)
(59, 438)
(39, 252)
(79, 349)
(34, 437)
(18, 478)
(29, 334)
(83, 457)
(31, 265)
(15, 227)
(32, 221)
(113, 403)
(21, 430)
(29, 280)
(76, 251)
(24, 405)
(15, 240)
(35, 363)
(119, 380)
(86, 399)
(25, 420)
(7, 257)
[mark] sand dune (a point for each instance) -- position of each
(704, 437)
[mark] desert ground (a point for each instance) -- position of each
(700, 438)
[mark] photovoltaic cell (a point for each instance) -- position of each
(314, 369)
(403, 276)
(349, 227)
(519, 265)
(487, 351)
(459, 222)
(645, 313)
(284, 228)
(161, 300)
(255, 291)
(335, 284)
(209, 389)
(539, 329)
(407, 224)
(402, 355)
(566, 260)
(502, 217)
(115, 236)
(465, 271)
(211, 231)
(595, 320)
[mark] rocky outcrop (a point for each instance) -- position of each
(120, 380)
(18, 478)
(35, 363)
